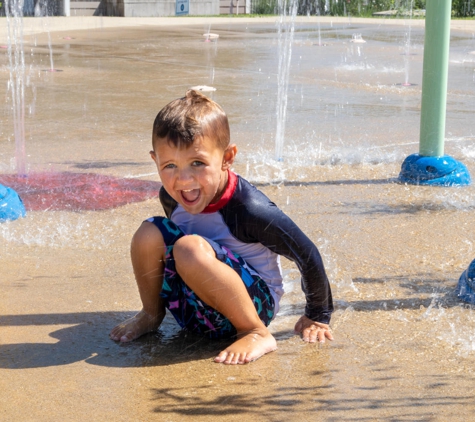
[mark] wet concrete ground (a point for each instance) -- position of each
(404, 347)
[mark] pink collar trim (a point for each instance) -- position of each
(226, 196)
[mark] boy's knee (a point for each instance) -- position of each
(147, 236)
(190, 248)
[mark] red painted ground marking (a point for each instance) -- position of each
(78, 191)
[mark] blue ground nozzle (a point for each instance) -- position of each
(466, 286)
(436, 171)
(11, 205)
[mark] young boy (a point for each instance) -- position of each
(214, 261)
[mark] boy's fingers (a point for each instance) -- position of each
(324, 334)
(312, 334)
(315, 333)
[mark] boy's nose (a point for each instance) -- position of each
(185, 177)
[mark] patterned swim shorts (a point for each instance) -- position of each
(188, 309)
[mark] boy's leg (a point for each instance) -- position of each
(220, 287)
(148, 257)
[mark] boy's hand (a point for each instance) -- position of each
(313, 331)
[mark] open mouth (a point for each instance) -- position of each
(190, 196)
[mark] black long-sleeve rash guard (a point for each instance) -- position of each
(248, 223)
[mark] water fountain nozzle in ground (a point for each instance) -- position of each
(431, 166)
(208, 37)
(11, 206)
(466, 285)
(358, 39)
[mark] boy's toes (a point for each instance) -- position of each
(118, 335)
(129, 336)
(240, 359)
(114, 335)
(232, 359)
(221, 357)
(228, 358)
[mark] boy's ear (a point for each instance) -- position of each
(153, 155)
(229, 156)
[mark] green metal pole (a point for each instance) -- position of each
(434, 79)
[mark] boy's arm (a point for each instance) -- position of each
(284, 237)
(292, 243)
(267, 224)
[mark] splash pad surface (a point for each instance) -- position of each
(404, 345)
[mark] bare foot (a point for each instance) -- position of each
(249, 347)
(135, 327)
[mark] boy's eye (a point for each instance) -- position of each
(169, 166)
(198, 163)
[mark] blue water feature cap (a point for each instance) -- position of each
(437, 171)
(11, 205)
(466, 285)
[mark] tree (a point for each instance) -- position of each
(463, 8)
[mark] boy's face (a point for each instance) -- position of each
(195, 176)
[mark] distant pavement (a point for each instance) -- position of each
(38, 25)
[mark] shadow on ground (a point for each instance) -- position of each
(86, 339)
(86, 336)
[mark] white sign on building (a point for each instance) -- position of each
(182, 7)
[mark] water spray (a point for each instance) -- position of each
(285, 40)
(11, 205)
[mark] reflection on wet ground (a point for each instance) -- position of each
(404, 347)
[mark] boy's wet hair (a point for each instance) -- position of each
(194, 115)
